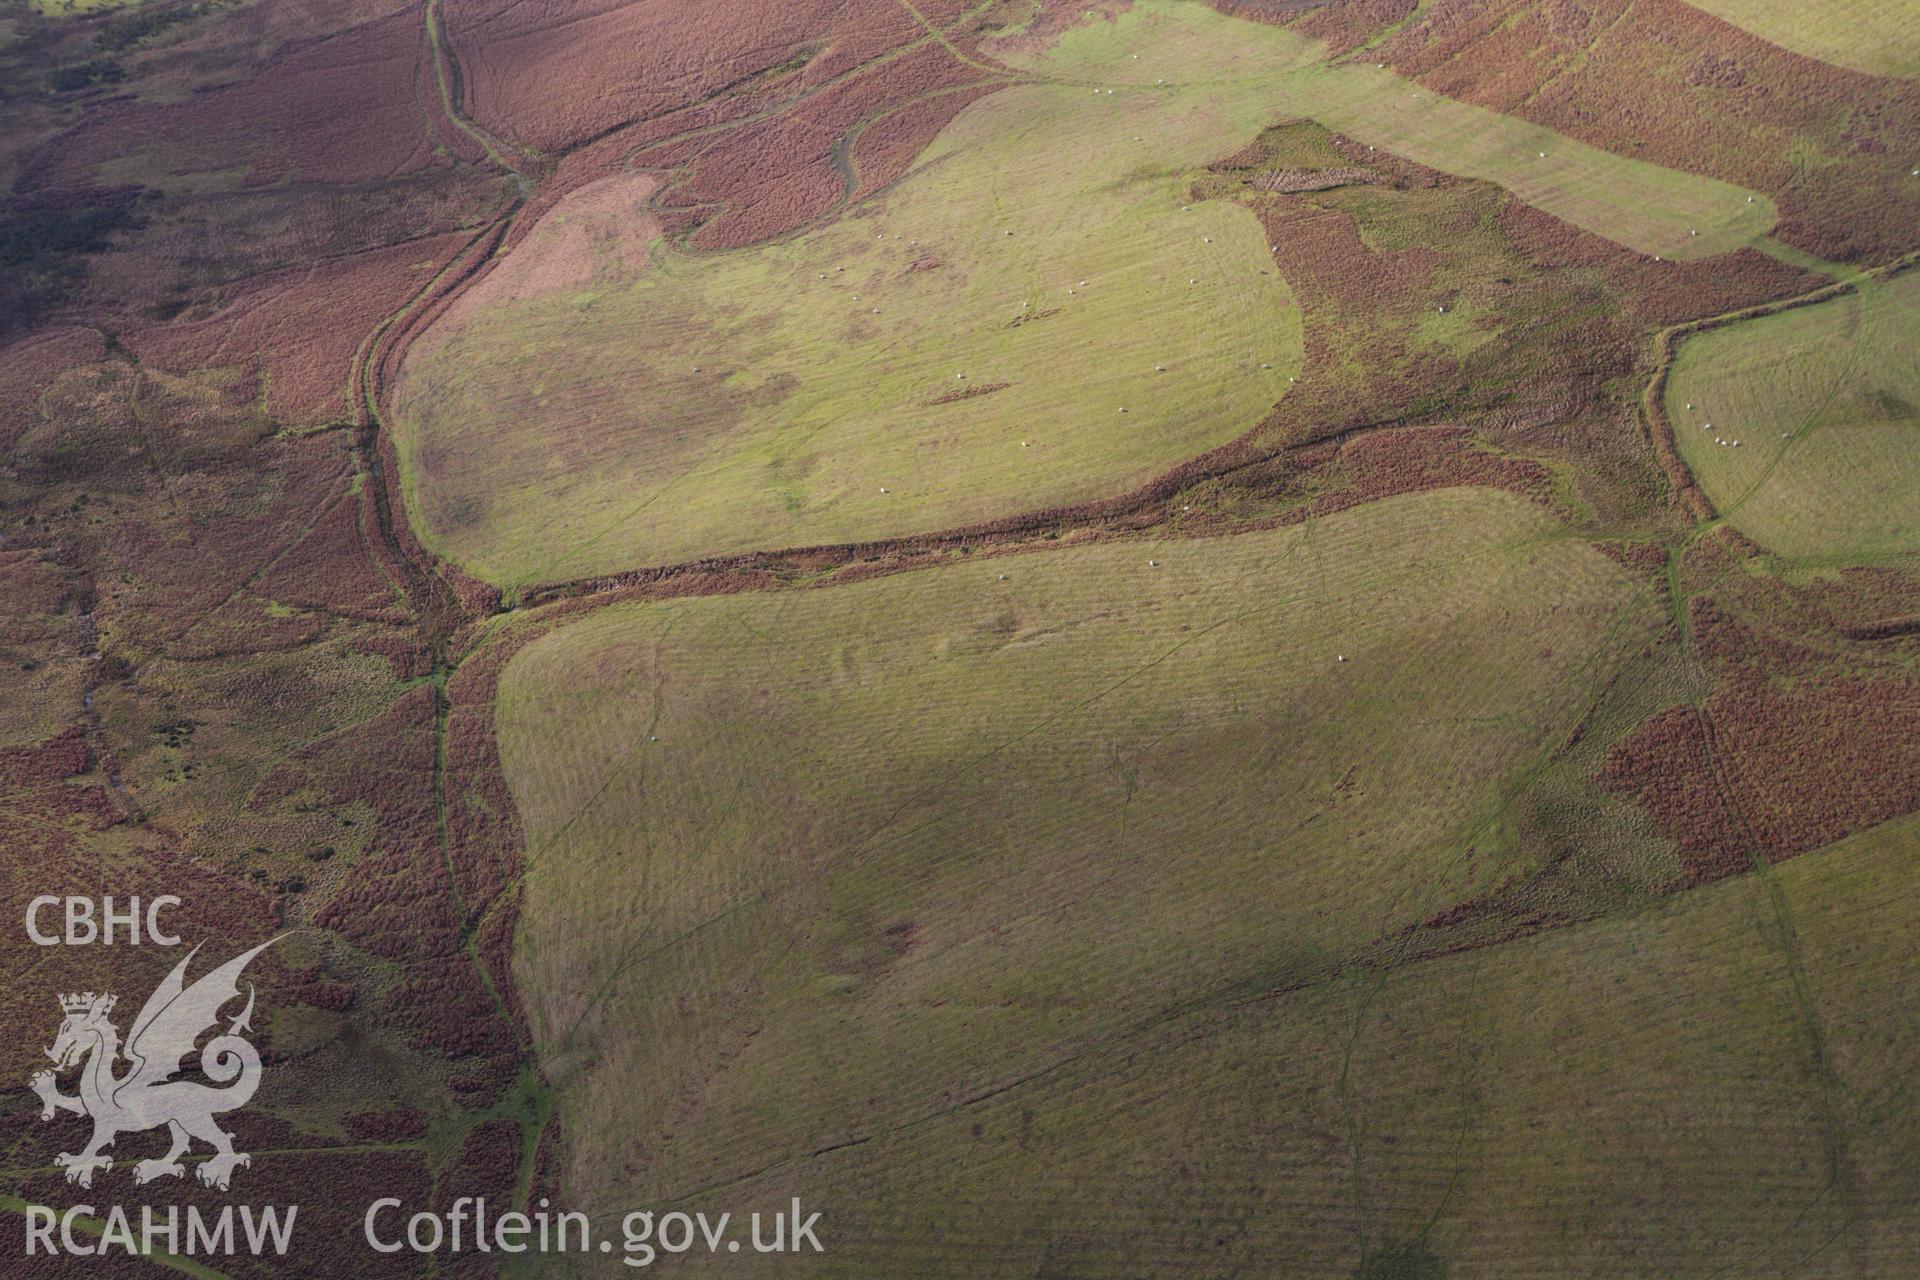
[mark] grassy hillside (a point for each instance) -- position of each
(815, 390)
(1038, 314)
(1176, 49)
(1333, 804)
(1823, 401)
(815, 867)
(1711, 1087)
(1880, 37)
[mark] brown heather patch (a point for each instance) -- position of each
(1792, 752)
(31, 585)
(1667, 766)
(333, 569)
(1344, 26)
(321, 993)
(273, 515)
(159, 578)
(1607, 70)
(1649, 558)
(1369, 269)
(192, 255)
(1858, 597)
(771, 177)
(300, 329)
(400, 905)
(333, 1189)
(1773, 774)
(885, 148)
(243, 625)
(1823, 615)
(1054, 19)
(29, 367)
(759, 126)
(485, 1167)
(343, 110)
(54, 798)
(1362, 310)
(1658, 293)
(400, 1124)
(649, 66)
(1706, 563)
(1324, 260)
(1381, 464)
(1248, 157)
(1893, 627)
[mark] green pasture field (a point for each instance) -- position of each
(1176, 48)
(1823, 401)
(816, 866)
(1714, 1086)
(571, 435)
(797, 393)
(1880, 37)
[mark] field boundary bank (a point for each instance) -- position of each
(1667, 343)
(1136, 510)
(1111, 514)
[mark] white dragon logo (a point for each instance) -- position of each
(145, 1097)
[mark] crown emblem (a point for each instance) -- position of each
(84, 1001)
